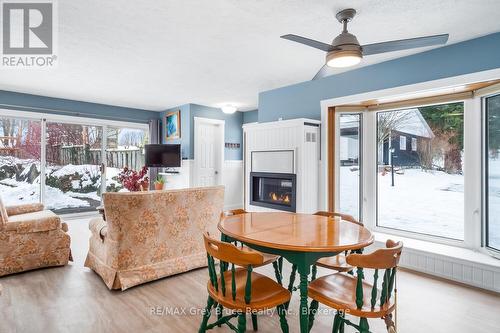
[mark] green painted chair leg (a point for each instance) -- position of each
(277, 273)
(312, 312)
(282, 313)
(242, 322)
(336, 323)
(280, 264)
(255, 325)
(314, 272)
(206, 315)
(363, 325)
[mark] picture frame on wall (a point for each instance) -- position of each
(172, 125)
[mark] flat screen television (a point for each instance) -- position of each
(163, 156)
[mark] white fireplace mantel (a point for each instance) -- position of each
(300, 136)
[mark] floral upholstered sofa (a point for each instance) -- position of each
(31, 238)
(150, 235)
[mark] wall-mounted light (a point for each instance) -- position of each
(229, 109)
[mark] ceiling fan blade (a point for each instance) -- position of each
(404, 44)
(309, 42)
(321, 73)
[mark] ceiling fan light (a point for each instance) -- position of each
(344, 58)
(229, 109)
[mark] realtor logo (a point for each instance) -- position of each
(28, 34)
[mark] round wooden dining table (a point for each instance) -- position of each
(300, 238)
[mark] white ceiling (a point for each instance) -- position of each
(158, 54)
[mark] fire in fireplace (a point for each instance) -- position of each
(273, 190)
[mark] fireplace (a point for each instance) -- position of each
(273, 190)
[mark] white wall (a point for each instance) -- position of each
(232, 175)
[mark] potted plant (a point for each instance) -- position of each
(134, 181)
(159, 182)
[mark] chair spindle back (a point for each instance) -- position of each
(227, 253)
(383, 259)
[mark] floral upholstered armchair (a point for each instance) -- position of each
(31, 238)
(154, 234)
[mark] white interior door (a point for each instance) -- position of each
(208, 151)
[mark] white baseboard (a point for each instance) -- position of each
(448, 262)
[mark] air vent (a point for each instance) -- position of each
(310, 137)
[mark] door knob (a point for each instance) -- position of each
(216, 172)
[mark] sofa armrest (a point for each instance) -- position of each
(33, 222)
(23, 209)
(99, 227)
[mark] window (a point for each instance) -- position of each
(20, 153)
(402, 142)
(69, 178)
(124, 147)
(492, 109)
(350, 167)
(413, 144)
(73, 157)
(419, 190)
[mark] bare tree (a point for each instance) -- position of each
(390, 121)
(132, 138)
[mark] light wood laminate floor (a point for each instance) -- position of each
(74, 299)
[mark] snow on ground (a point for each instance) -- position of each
(15, 192)
(349, 191)
(424, 202)
(30, 193)
(428, 202)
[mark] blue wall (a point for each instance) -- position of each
(303, 99)
(233, 132)
(250, 116)
(27, 102)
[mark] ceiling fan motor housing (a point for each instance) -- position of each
(345, 44)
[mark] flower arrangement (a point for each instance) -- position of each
(134, 181)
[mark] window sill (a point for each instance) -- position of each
(451, 262)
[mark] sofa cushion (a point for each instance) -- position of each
(23, 209)
(44, 220)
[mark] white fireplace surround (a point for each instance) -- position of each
(288, 146)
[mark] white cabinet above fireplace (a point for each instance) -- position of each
(284, 147)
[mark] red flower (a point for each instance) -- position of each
(131, 179)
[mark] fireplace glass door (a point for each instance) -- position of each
(273, 190)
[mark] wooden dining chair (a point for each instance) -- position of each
(357, 297)
(338, 262)
(277, 261)
(240, 289)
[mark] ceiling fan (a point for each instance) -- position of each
(345, 50)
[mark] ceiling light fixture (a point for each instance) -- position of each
(229, 109)
(344, 58)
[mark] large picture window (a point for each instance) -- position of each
(492, 110)
(67, 175)
(421, 189)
